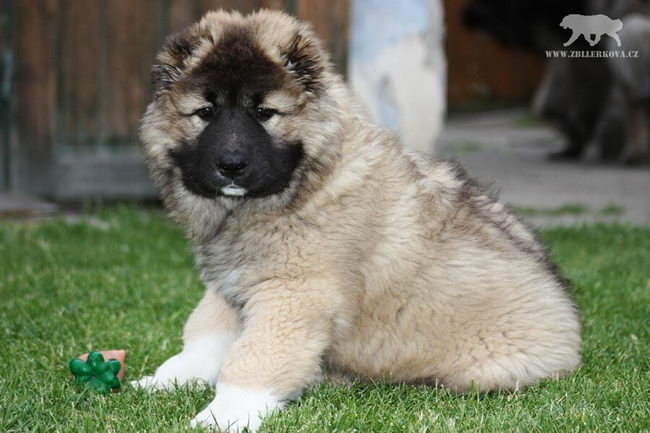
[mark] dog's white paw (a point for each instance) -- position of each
(199, 361)
(235, 408)
(145, 382)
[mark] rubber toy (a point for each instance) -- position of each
(95, 373)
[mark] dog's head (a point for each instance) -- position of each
(238, 104)
(570, 21)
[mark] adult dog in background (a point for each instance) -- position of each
(321, 242)
(599, 104)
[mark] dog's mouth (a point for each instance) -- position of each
(233, 190)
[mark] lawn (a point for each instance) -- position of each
(123, 278)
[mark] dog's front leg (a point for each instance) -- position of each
(208, 335)
(278, 354)
(574, 37)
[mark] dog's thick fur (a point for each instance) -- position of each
(371, 262)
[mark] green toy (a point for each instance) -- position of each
(98, 375)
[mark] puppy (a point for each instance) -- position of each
(322, 244)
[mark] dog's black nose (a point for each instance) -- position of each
(231, 164)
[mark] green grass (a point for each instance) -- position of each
(572, 209)
(567, 209)
(612, 210)
(124, 279)
(465, 147)
(529, 120)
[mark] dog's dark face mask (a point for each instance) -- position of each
(234, 155)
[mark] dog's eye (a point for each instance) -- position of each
(263, 114)
(205, 113)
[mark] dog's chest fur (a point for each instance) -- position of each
(247, 253)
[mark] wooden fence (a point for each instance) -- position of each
(481, 73)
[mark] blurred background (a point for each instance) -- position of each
(565, 139)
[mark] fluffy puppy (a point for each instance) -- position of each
(322, 244)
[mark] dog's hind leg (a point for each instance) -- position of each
(512, 372)
(522, 353)
(208, 335)
(595, 40)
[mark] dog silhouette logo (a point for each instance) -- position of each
(588, 25)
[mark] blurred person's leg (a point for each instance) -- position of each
(632, 74)
(610, 135)
(638, 144)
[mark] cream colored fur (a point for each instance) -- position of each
(374, 263)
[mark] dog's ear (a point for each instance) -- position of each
(306, 60)
(177, 49)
